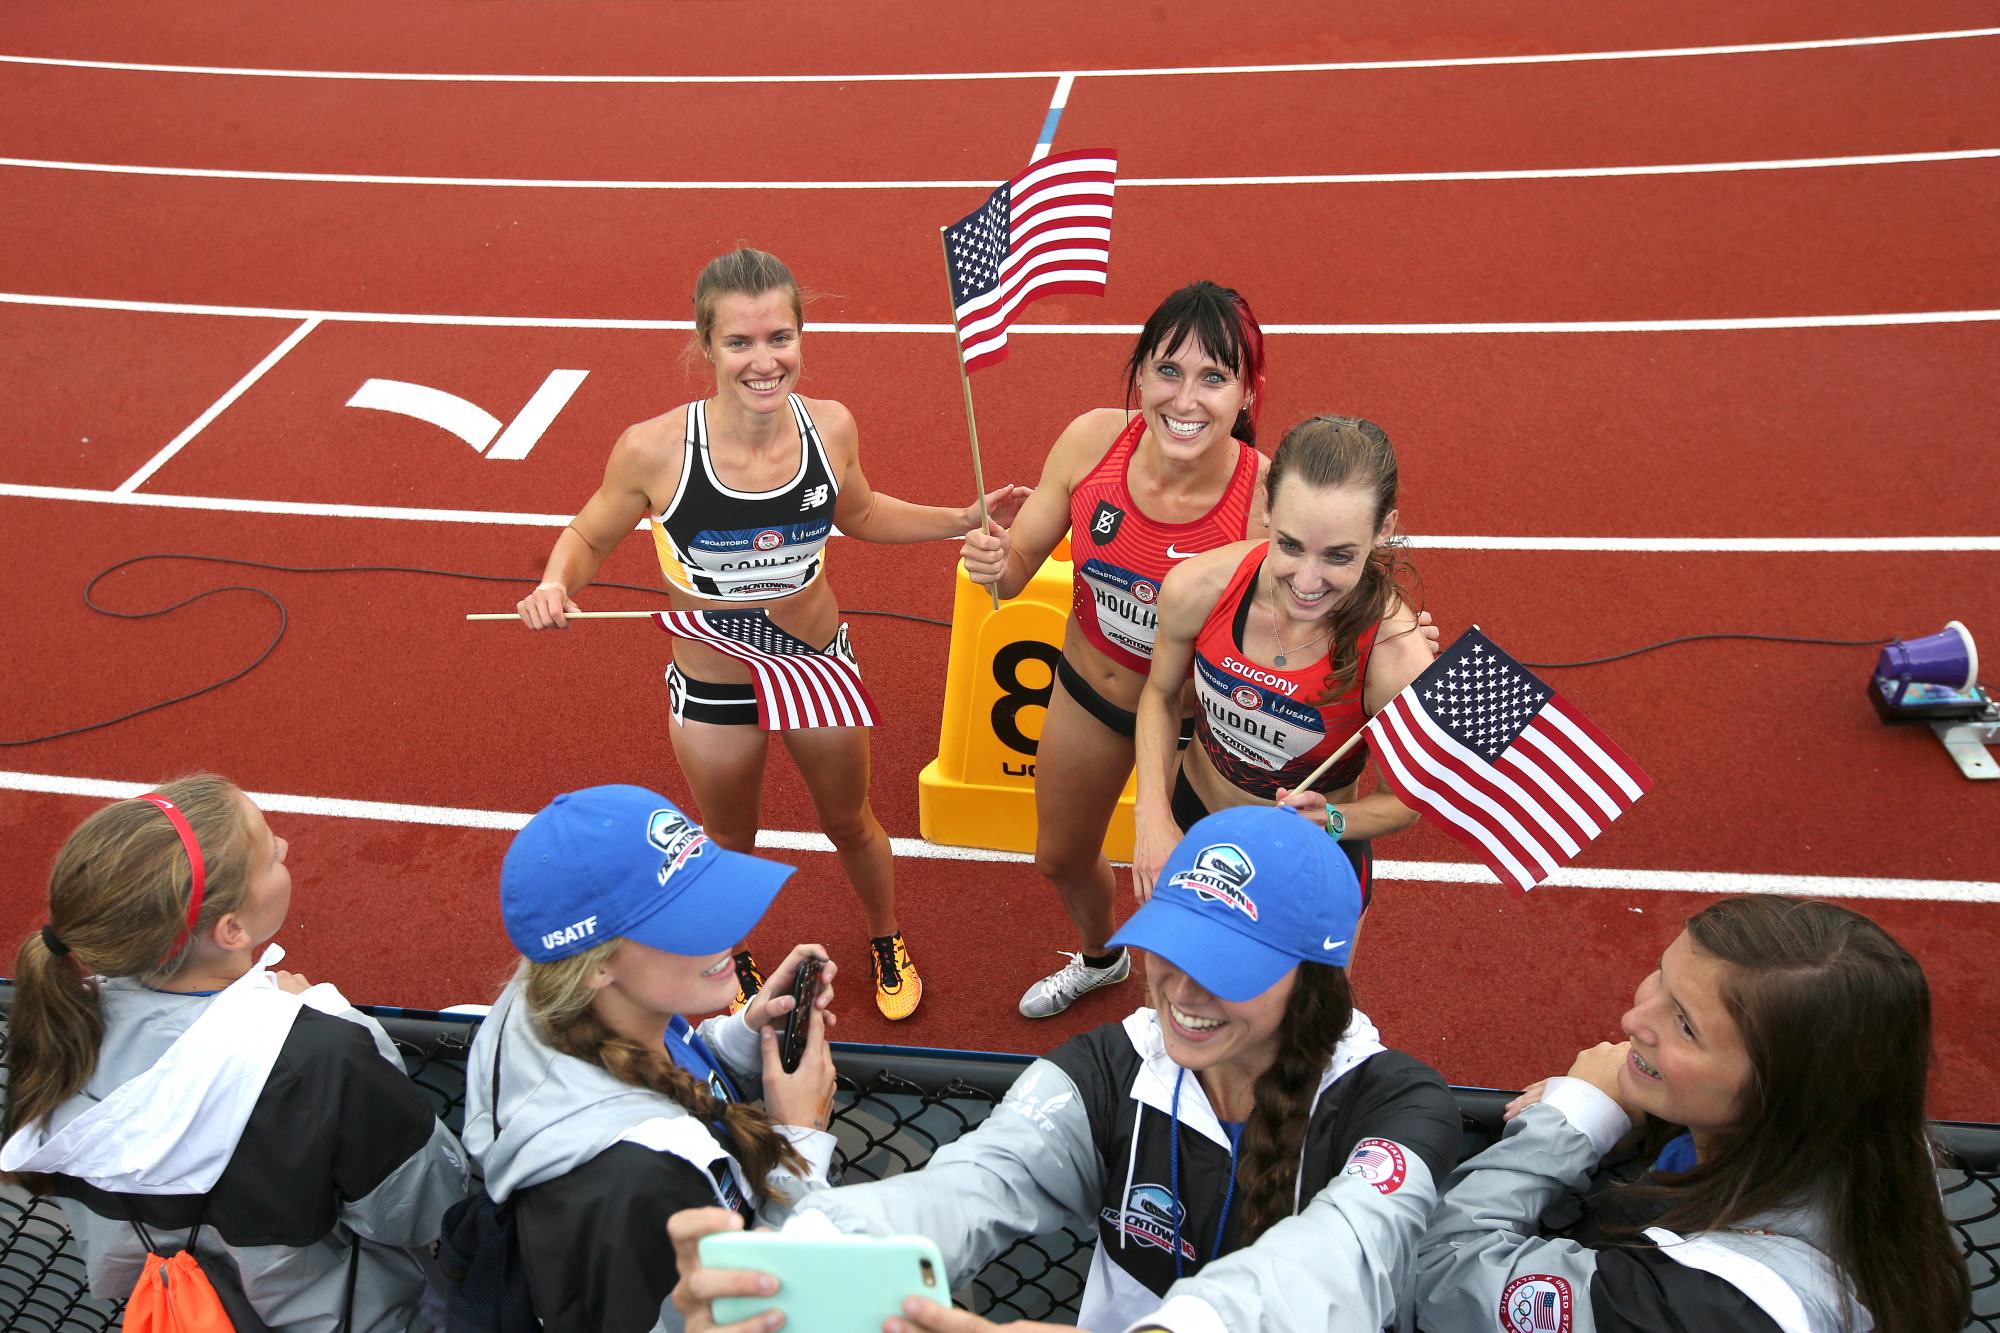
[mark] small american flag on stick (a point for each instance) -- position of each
(797, 685)
(1046, 231)
(1502, 762)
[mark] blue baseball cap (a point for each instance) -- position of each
(624, 863)
(1248, 893)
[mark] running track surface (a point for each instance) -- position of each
(1851, 437)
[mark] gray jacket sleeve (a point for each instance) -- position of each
(407, 1207)
(1031, 1169)
(1341, 1264)
(1482, 1253)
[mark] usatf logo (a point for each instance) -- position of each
(1538, 1303)
(570, 934)
(767, 540)
(1379, 1162)
(1219, 874)
(681, 841)
(1145, 592)
(1150, 1216)
(1104, 523)
(1247, 698)
(814, 498)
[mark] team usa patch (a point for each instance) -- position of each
(768, 540)
(1220, 873)
(1247, 698)
(674, 835)
(1537, 1303)
(1145, 592)
(1380, 1163)
(1150, 1217)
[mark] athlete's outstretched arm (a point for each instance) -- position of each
(875, 516)
(646, 453)
(1187, 596)
(1006, 558)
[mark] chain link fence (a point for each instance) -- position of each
(896, 1106)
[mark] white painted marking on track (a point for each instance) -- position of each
(1886, 320)
(469, 421)
(1437, 872)
(1041, 151)
(980, 76)
(503, 518)
(216, 409)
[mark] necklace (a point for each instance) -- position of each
(1277, 629)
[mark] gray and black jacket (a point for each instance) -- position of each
(1086, 1139)
(593, 1167)
(283, 1123)
(1483, 1259)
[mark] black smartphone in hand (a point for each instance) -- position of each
(798, 1023)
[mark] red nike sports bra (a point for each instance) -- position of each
(1257, 723)
(1121, 555)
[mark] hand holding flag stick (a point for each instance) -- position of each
(1500, 761)
(1048, 230)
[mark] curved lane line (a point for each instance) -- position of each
(969, 76)
(1041, 149)
(1442, 872)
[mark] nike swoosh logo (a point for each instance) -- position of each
(1332, 943)
(1173, 554)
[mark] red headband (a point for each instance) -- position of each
(197, 875)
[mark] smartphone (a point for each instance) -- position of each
(798, 1023)
(829, 1284)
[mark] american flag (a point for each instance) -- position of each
(1046, 231)
(797, 685)
(1546, 1310)
(1507, 766)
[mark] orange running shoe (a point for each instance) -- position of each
(897, 985)
(748, 981)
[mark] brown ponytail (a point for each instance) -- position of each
(1267, 1172)
(118, 900)
(1332, 451)
(559, 997)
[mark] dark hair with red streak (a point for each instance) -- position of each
(1221, 324)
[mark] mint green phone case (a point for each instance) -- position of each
(829, 1284)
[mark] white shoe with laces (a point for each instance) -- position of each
(1059, 990)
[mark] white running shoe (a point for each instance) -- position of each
(1059, 990)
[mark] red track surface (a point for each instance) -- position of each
(1767, 759)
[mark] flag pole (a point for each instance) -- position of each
(971, 423)
(1306, 783)
(574, 615)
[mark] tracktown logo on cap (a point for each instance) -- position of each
(673, 834)
(1149, 1217)
(1218, 875)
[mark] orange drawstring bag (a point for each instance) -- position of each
(173, 1295)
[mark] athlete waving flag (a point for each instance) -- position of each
(1502, 762)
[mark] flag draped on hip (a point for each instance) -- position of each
(1502, 762)
(1046, 231)
(798, 686)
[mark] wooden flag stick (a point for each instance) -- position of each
(1306, 783)
(574, 615)
(971, 423)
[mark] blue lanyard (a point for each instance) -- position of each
(1174, 1179)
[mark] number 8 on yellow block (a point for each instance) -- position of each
(980, 790)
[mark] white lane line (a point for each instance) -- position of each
(1053, 117)
(1438, 872)
(1443, 542)
(216, 409)
(1041, 151)
(1862, 321)
(971, 76)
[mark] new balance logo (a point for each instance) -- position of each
(814, 498)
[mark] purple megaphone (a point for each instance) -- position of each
(1946, 658)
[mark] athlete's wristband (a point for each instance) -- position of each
(1336, 823)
